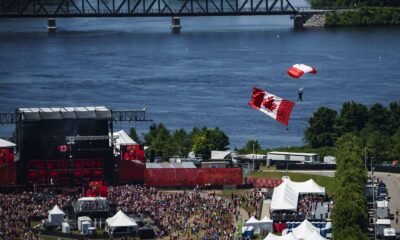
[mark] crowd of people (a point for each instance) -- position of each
(308, 204)
(180, 215)
(18, 209)
(194, 214)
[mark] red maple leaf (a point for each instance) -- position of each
(269, 103)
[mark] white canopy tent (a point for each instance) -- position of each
(266, 223)
(5, 143)
(56, 215)
(120, 223)
(286, 195)
(305, 230)
(253, 222)
(307, 187)
(272, 236)
(123, 139)
(315, 236)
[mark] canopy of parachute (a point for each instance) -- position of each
(298, 70)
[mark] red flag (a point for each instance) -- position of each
(272, 105)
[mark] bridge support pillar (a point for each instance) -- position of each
(51, 24)
(176, 25)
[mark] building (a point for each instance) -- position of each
(292, 157)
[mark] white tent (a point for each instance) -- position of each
(56, 215)
(289, 236)
(284, 197)
(304, 230)
(5, 143)
(253, 222)
(121, 223)
(315, 236)
(266, 223)
(307, 187)
(123, 139)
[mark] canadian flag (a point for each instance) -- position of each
(299, 69)
(272, 105)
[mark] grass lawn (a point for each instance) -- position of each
(327, 182)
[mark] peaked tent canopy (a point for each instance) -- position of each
(120, 220)
(316, 236)
(304, 230)
(307, 187)
(56, 210)
(123, 139)
(253, 222)
(5, 143)
(284, 197)
(289, 236)
(56, 215)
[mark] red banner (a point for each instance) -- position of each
(264, 182)
(6, 156)
(179, 177)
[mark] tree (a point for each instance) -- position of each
(181, 143)
(134, 136)
(353, 117)
(350, 217)
(322, 129)
(248, 148)
(206, 140)
(394, 117)
(379, 117)
(158, 139)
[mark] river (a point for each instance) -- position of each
(201, 77)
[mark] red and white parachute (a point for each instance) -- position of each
(299, 69)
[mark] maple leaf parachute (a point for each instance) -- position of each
(297, 70)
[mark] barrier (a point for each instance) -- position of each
(185, 177)
(130, 171)
(264, 182)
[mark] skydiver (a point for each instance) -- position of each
(300, 94)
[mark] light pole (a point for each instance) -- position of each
(253, 158)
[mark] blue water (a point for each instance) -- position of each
(201, 77)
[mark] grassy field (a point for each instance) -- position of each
(327, 182)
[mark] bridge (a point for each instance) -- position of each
(141, 8)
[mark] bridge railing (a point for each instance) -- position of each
(88, 8)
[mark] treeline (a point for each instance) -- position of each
(354, 3)
(350, 214)
(365, 16)
(164, 144)
(377, 127)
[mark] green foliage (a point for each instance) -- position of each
(248, 147)
(206, 140)
(376, 126)
(354, 3)
(322, 128)
(350, 216)
(163, 144)
(134, 136)
(364, 16)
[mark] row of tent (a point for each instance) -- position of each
(305, 231)
(120, 222)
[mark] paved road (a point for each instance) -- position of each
(392, 181)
